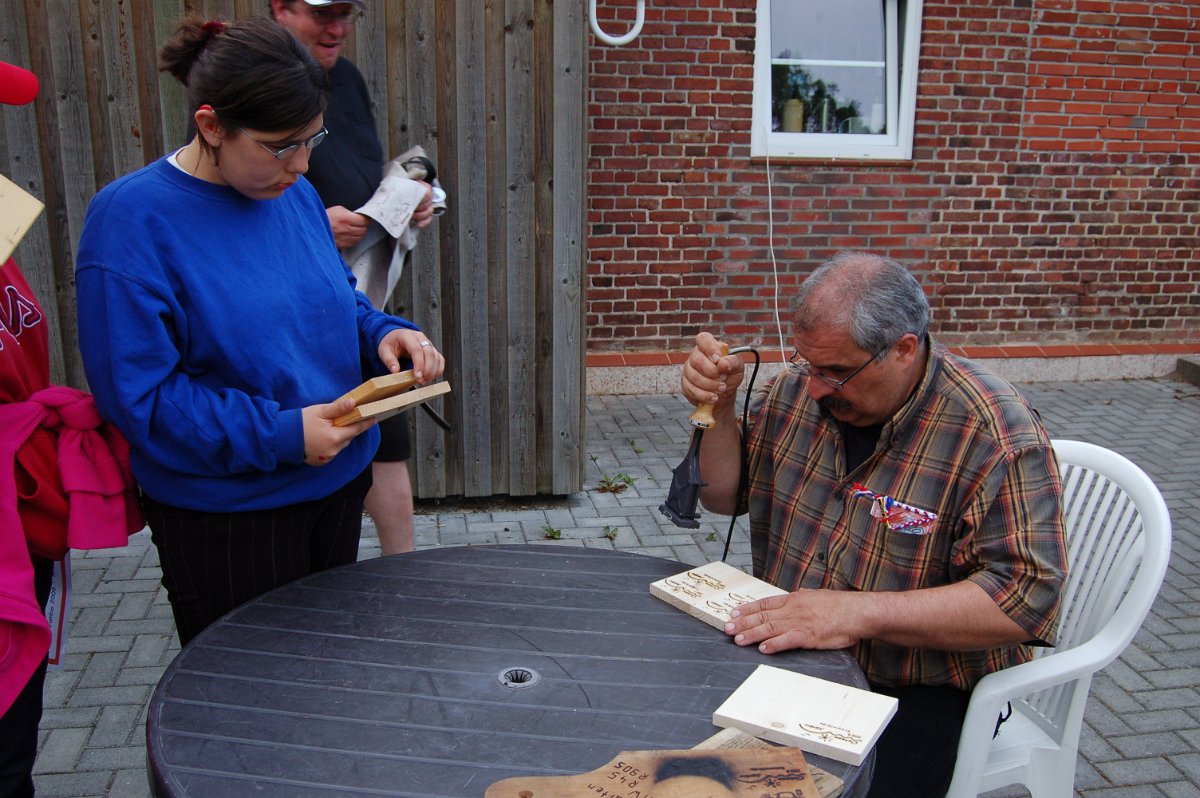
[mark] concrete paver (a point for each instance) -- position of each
(1142, 726)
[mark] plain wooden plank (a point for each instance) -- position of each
(119, 56)
(419, 77)
(370, 56)
(495, 151)
(566, 448)
(543, 135)
(176, 122)
(521, 252)
(466, 288)
(413, 75)
(146, 76)
(70, 172)
(96, 52)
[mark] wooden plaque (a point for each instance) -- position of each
(379, 388)
(711, 591)
(817, 715)
(724, 773)
(827, 784)
(18, 211)
(386, 408)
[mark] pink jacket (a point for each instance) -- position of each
(93, 464)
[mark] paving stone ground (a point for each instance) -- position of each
(1142, 726)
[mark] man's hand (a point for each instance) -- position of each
(423, 215)
(348, 227)
(427, 362)
(710, 378)
(956, 617)
(322, 440)
(814, 619)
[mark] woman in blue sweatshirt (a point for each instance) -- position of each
(218, 324)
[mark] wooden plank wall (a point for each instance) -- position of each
(494, 91)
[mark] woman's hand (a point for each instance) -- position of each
(322, 440)
(427, 363)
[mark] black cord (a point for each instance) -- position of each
(742, 476)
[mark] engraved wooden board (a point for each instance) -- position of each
(733, 773)
(386, 408)
(711, 591)
(817, 715)
(379, 388)
(829, 785)
(18, 211)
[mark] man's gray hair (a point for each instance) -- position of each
(875, 298)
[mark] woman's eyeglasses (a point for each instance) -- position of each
(283, 153)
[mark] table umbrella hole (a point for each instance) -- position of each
(518, 677)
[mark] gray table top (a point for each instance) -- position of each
(386, 677)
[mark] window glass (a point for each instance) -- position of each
(829, 60)
(835, 79)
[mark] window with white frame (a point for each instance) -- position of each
(835, 79)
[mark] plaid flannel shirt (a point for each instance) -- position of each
(966, 447)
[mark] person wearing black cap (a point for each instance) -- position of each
(345, 172)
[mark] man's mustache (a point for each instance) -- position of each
(834, 403)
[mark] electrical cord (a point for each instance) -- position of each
(742, 446)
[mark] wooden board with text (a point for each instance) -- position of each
(728, 773)
(816, 715)
(711, 591)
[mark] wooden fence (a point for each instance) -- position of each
(494, 92)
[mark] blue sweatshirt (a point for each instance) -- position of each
(207, 320)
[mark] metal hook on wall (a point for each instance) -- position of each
(617, 40)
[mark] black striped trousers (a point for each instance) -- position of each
(213, 562)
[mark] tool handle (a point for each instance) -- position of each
(702, 418)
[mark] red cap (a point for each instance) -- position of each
(17, 86)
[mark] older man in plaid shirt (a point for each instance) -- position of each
(908, 498)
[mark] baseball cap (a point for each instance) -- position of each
(17, 86)
(358, 3)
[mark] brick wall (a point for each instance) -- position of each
(1053, 195)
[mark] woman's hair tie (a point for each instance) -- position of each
(213, 27)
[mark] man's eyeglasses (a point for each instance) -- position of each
(325, 15)
(283, 153)
(802, 367)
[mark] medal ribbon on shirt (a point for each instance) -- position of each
(896, 515)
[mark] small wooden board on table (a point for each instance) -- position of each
(714, 773)
(711, 591)
(814, 715)
(383, 397)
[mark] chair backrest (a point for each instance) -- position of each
(1118, 543)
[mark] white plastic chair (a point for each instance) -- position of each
(1119, 541)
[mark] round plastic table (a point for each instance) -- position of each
(440, 672)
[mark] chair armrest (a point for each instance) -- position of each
(1055, 668)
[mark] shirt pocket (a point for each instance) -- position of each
(875, 555)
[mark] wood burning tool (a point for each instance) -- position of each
(684, 494)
